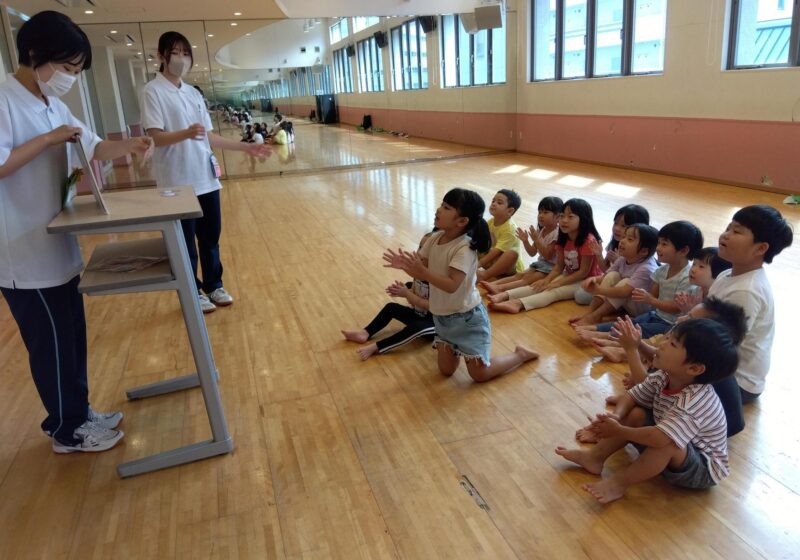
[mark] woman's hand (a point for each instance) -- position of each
(141, 145)
(195, 132)
(63, 133)
(261, 151)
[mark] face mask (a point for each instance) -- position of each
(179, 65)
(58, 84)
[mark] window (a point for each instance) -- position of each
(472, 59)
(361, 23)
(761, 34)
(409, 56)
(342, 73)
(338, 31)
(370, 66)
(592, 38)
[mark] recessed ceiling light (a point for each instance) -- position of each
(237, 13)
(139, 53)
(234, 24)
(113, 31)
(128, 44)
(247, 34)
(210, 34)
(194, 46)
(88, 12)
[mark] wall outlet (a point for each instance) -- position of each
(766, 180)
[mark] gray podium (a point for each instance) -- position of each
(139, 211)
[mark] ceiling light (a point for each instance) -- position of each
(138, 53)
(247, 34)
(237, 13)
(194, 46)
(234, 24)
(210, 35)
(113, 31)
(88, 12)
(128, 44)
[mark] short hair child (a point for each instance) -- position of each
(538, 240)
(503, 257)
(686, 439)
(449, 261)
(52, 37)
(755, 236)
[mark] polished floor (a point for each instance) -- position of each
(338, 458)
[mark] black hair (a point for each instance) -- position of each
(277, 116)
(768, 226)
(52, 37)
(683, 234)
(583, 210)
(648, 237)
(551, 204)
(169, 41)
(470, 205)
(709, 343)
(514, 200)
(729, 315)
(631, 214)
(710, 256)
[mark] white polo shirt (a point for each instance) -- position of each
(30, 198)
(170, 109)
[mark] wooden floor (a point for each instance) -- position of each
(338, 458)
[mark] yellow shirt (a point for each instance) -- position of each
(504, 237)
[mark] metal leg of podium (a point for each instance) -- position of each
(206, 376)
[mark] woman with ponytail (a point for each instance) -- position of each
(448, 261)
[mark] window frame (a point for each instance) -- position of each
(457, 25)
(626, 50)
(403, 33)
(370, 66)
(342, 71)
(733, 32)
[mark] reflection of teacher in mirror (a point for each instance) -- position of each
(39, 273)
(175, 115)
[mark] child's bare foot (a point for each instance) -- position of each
(367, 351)
(574, 319)
(613, 354)
(513, 306)
(360, 336)
(597, 341)
(612, 400)
(492, 289)
(581, 457)
(498, 297)
(586, 335)
(606, 490)
(585, 435)
(583, 322)
(525, 353)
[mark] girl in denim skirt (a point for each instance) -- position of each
(448, 261)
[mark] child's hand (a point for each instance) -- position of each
(606, 426)
(590, 284)
(627, 334)
(539, 285)
(596, 248)
(628, 381)
(642, 296)
(410, 262)
(398, 289)
(686, 302)
(611, 256)
(522, 234)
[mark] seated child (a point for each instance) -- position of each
(674, 415)
(640, 356)
(575, 263)
(678, 242)
(503, 256)
(626, 216)
(755, 236)
(417, 318)
(540, 241)
(633, 269)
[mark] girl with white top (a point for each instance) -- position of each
(39, 272)
(175, 115)
(448, 261)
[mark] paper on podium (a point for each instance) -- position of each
(93, 184)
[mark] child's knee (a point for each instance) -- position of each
(636, 418)
(477, 371)
(448, 369)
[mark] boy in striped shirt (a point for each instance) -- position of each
(674, 416)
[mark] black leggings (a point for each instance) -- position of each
(730, 396)
(416, 326)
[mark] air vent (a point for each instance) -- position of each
(302, 50)
(317, 49)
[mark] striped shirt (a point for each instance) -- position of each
(692, 415)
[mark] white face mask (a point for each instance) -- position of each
(179, 65)
(58, 84)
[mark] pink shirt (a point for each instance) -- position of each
(573, 255)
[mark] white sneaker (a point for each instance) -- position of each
(221, 297)
(107, 420)
(205, 304)
(93, 438)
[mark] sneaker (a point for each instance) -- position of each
(93, 438)
(221, 297)
(107, 420)
(205, 304)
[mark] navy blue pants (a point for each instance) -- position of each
(730, 396)
(649, 321)
(53, 327)
(207, 230)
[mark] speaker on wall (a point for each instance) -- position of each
(468, 22)
(427, 23)
(350, 50)
(380, 39)
(489, 17)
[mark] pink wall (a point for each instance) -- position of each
(731, 151)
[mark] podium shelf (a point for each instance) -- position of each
(156, 277)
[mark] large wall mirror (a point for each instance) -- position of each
(431, 87)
